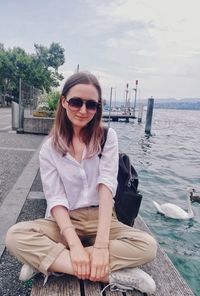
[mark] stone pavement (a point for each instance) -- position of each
(18, 168)
(16, 151)
(5, 119)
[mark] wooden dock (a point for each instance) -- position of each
(168, 280)
(118, 117)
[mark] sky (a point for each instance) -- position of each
(156, 42)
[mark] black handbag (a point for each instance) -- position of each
(128, 198)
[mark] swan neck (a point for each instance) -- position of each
(189, 206)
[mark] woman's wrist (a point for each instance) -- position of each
(100, 248)
(66, 228)
(101, 245)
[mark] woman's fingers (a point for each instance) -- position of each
(98, 273)
(104, 272)
(99, 264)
(87, 270)
(83, 271)
(81, 262)
(93, 273)
(75, 268)
(79, 274)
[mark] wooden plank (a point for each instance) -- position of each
(70, 286)
(56, 286)
(134, 293)
(92, 288)
(110, 293)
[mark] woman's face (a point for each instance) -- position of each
(80, 116)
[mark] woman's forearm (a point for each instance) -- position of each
(105, 214)
(67, 230)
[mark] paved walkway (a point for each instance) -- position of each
(18, 167)
(5, 119)
(15, 152)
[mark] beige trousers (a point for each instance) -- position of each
(38, 243)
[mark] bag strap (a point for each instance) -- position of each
(126, 165)
(104, 138)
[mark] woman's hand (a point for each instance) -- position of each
(99, 264)
(80, 262)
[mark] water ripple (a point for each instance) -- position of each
(167, 163)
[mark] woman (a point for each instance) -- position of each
(81, 235)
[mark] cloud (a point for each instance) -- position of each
(154, 41)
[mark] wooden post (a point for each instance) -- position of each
(149, 115)
(126, 99)
(77, 69)
(110, 106)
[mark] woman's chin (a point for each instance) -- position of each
(80, 124)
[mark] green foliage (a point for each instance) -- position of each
(52, 99)
(39, 70)
(52, 57)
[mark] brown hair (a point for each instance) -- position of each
(62, 130)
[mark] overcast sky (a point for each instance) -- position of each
(154, 41)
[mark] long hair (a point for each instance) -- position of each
(62, 130)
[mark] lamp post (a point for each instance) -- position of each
(126, 98)
(135, 89)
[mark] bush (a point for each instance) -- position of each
(43, 106)
(53, 99)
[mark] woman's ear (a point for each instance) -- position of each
(63, 100)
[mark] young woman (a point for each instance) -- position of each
(80, 234)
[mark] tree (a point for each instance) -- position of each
(6, 73)
(39, 69)
(50, 57)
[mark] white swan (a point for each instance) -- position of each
(173, 211)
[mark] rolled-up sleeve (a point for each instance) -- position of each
(52, 184)
(108, 167)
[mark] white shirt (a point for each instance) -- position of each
(72, 184)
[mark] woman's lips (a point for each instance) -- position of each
(81, 118)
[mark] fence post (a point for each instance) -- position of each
(149, 115)
(20, 130)
(15, 115)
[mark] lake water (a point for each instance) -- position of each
(167, 163)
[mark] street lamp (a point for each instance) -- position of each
(135, 89)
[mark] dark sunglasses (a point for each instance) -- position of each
(77, 103)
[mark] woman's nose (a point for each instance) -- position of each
(83, 108)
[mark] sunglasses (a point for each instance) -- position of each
(77, 103)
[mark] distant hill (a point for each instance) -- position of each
(190, 104)
(171, 103)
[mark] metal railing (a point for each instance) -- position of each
(28, 101)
